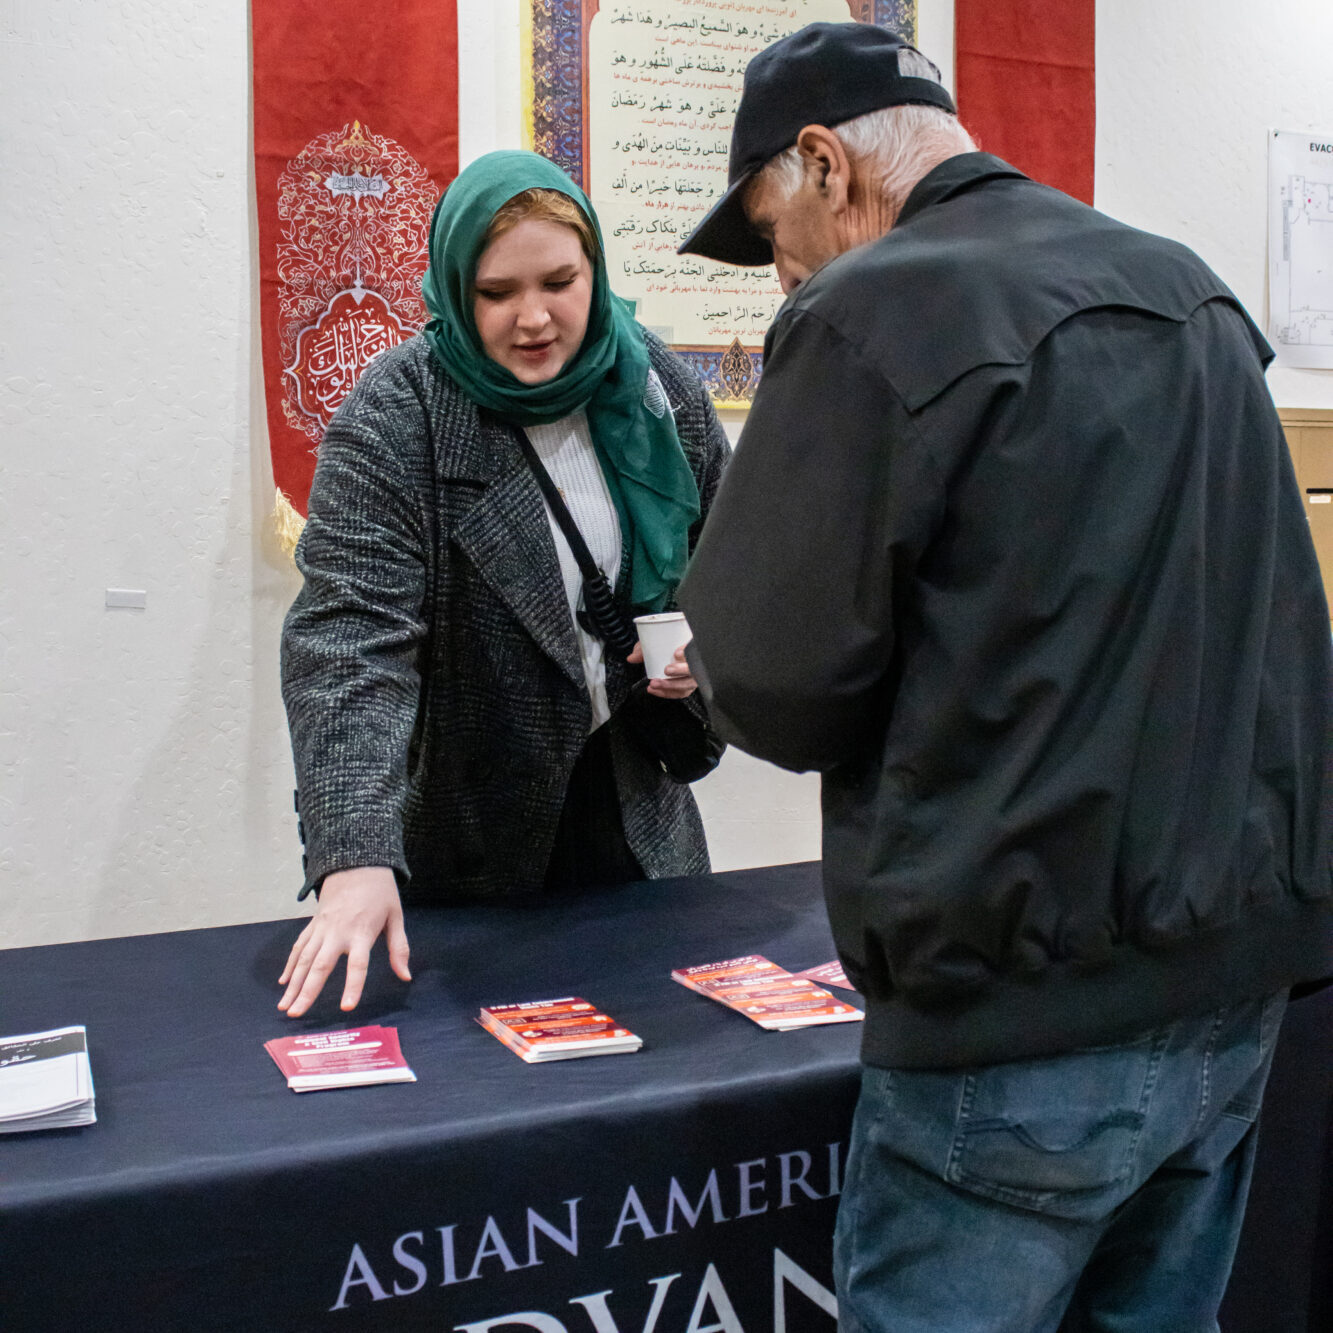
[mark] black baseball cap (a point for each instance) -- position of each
(825, 74)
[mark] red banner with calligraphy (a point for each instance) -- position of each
(356, 134)
(1026, 79)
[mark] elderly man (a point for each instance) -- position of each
(1012, 551)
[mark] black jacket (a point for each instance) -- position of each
(1013, 551)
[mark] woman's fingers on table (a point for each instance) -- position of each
(395, 936)
(355, 907)
(358, 964)
(316, 966)
(294, 957)
(312, 979)
(300, 988)
(303, 955)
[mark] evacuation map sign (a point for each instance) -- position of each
(1300, 248)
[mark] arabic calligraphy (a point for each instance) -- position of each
(357, 184)
(354, 208)
(664, 81)
(332, 352)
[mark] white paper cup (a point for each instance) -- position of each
(661, 635)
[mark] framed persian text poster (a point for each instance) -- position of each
(635, 100)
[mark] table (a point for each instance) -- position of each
(690, 1186)
(700, 1171)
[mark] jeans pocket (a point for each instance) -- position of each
(1239, 1062)
(1056, 1135)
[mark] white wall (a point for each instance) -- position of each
(144, 774)
(1187, 91)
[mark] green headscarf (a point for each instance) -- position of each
(645, 468)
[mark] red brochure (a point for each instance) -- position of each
(350, 1058)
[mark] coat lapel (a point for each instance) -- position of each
(507, 536)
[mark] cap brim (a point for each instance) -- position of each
(726, 235)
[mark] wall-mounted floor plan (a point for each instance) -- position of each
(1300, 248)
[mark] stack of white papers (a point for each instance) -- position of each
(45, 1081)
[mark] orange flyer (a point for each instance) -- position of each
(563, 1029)
(766, 993)
(828, 974)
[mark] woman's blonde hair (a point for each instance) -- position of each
(544, 206)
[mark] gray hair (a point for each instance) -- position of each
(895, 146)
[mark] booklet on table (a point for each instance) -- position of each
(565, 1029)
(766, 993)
(350, 1058)
(46, 1081)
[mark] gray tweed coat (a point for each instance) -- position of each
(430, 670)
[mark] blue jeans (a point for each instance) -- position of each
(1100, 1190)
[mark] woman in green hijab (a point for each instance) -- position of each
(459, 727)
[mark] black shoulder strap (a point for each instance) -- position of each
(609, 622)
(587, 565)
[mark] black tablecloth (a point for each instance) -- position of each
(696, 1179)
(209, 1196)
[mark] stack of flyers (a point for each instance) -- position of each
(828, 974)
(45, 1081)
(564, 1029)
(351, 1058)
(766, 993)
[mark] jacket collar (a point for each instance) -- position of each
(506, 535)
(953, 176)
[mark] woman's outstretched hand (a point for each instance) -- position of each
(355, 908)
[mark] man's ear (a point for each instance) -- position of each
(827, 165)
